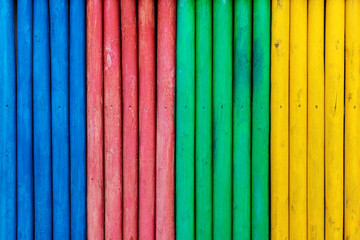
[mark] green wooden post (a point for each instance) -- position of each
(260, 120)
(222, 131)
(242, 120)
(203, 154)
(185, 120)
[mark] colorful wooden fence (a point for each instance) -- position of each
(187, 119)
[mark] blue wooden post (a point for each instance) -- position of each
(42, 121)
(78, 119)
(24, 121)
(59, 45)
(7, 122)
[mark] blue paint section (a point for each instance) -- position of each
(59, 45)
(42, 121)
(78, 119)
(7, 122)
(25, 181)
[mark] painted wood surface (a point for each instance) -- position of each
(352, 120)
(203, 128)
(7, 122)
(94, 109)
(298, 120)
(279, 120)
(130, 118)
(260, 120)
(42, 121)
(24, 121)
(77, 91)
(334, 118)
(112, 121)
(147, 140)
(242, 120)
(59, 52)
(222, 117)
(315, 175)
(165, 126)
(185, 130)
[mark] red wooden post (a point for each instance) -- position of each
(112, 120)
(166, 43)
(130, 118)
(95, 196)
(147, 142)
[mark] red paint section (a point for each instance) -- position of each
(147, 142)
(95, 196)
(112, 108)
(130, 118)
(166, 37)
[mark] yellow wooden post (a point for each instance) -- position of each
(334, 118)
(352, 121)
(279, 119)
(298, 119)
(316, 119)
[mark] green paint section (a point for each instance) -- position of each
(203, 151)
(222, 130)
(260, 119)
(242, 120)
(185, 120)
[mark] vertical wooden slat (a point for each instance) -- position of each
(95, 164)
(298, 120)
(130, 118)
(77, 119)
(222, 118)
(112, 121)
(42, 121)
(242, 120)
(59, 48)
(203, 129)
(315, 212)
(147, 141)
(334, 118)
(279, 120)
(260, 120)
(25, 180)
(185, 120)
(352, 120)
(165, 128)
(7, 122)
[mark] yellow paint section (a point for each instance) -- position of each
(316, 120)
(279, 119)
(352, 121)
(334, 118)
(298, 120)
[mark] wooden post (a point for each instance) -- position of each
(95, 164)
(165, 129)
(112, 121)
(279, 120)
